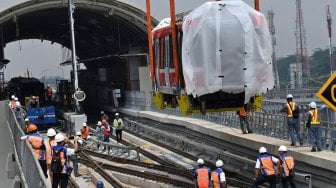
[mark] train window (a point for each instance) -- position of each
(156, 52)
(162, 52)
(170, 56)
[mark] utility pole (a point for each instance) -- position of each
(73, 49)
(301, 69)
(331, 54)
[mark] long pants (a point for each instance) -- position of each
(119, 134)
(107, 139)
(286, 180)
(60, 177)
(316, 136)
(262, 179)
(74, 160)
(244, 123)
(43, 164)
(294, 127)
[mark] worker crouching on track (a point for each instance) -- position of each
(286, 168)
(218, 179)
(59, 164)
(202, 175)
(265, 169)
(39, 149)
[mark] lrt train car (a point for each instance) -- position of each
(224, 59)
(27, 88)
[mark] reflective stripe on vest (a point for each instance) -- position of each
(202, 177)
(37, 141)
(266, 165)
(215, 178)
(289, 109)
(314, 119)
(288, 163)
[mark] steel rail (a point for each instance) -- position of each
(173, 170)
(140, 173)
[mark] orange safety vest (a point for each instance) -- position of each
(37, 141)
(314, 119)
(215, 178)
(202, 177)
(49, 152)
(288, 163)
(266, 165)
(85, 132)
(289, 109)
(62, 156)
(242, 112)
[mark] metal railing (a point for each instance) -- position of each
(268, 122)
(31, 174)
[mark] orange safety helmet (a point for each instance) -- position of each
(31, 127)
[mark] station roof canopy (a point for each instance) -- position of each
(102, 27)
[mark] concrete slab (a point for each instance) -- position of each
(323, 159)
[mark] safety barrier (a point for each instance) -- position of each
(31, 174)
(268, 122)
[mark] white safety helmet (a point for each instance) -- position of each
(102, 112)
(51, 132)
(16, 99)
(102, 127)
(117, 114)
(80, 142)
(59, 137)
(84, 124)
(78, 133)
(200, 161)
(312, 105)
(99, 123)
(282, 148)
(262, 150)
(289, 96)
(13, 97)
(26, 120)
(219, 163)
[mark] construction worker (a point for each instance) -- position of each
(12, 103)
(26, 122)
(39, 149)
(285, 167)
(243, 118)
(265, 169)
(314, 126)
(74, 158)
(106, 132)
(62, 176)
(118, 124)
(103, 116)
(51, 133)
(293, 119)
(218, 176)
(85, 130)
(202, 175)
(33, 102)
(48, 94)
(99, 133)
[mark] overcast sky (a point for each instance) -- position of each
(44, 58)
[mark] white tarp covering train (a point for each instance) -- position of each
(224, 52)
